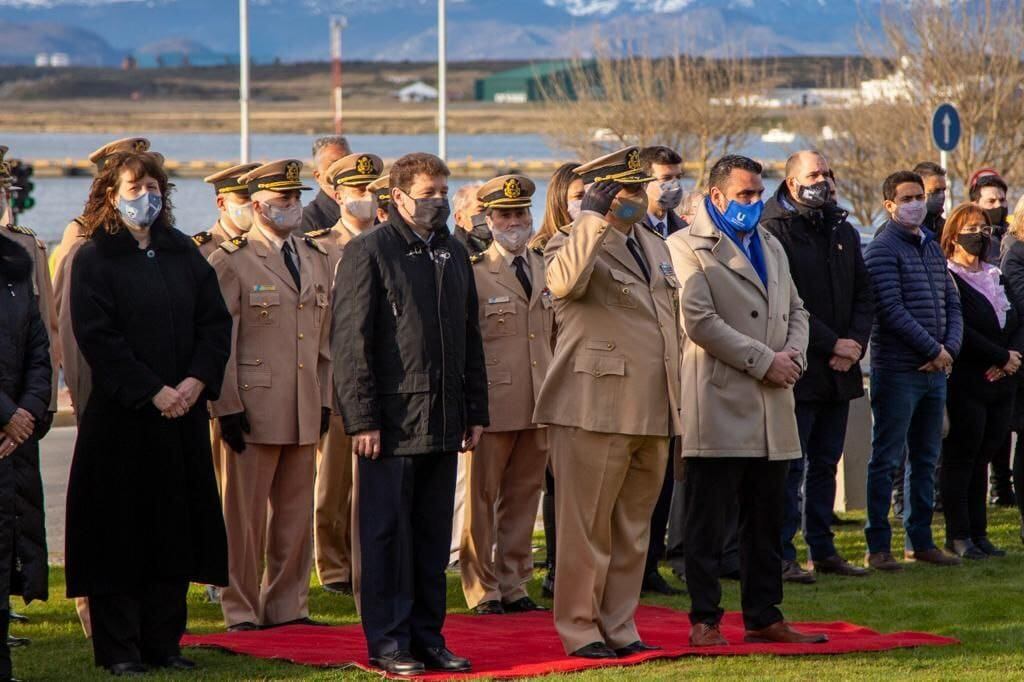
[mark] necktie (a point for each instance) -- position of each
(661, 229)
(289, 262)
(520, 266)
(634, 249)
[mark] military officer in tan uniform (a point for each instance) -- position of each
(234, 209)
(332, 516)
(611, 399)
(382, 190)
(274, 405)
(506, 471)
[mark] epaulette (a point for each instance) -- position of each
(476, 258)
(201, 238)
(654, 231)
(314, 244)
(21, 230)
(539, 250)
(316, 234)
(232, 245)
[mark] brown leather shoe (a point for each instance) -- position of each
(702, 634)
(792, 572)
(837, 565)
(883, 561)
(933, 556)
(780, 632)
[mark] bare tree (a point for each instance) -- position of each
(697, 106)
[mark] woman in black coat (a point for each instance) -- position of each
(143, 514)
(24, 403)
(982, 385)
(1013, 273)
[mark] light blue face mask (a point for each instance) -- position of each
(141, 211)
(743, 217)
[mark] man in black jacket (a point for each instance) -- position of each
(829, 272)
(323, 212)
(410, 380)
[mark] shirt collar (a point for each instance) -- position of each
(231, 233)
(654, 220)
(275, 241)
(506, 254)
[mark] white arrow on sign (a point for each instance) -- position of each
(947, 122)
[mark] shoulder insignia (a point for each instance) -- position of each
(476, 258)
(316, 234)
(78, 220)
(201, 238)
(539, 250)
(21, 230)
(232, 245)
(314, 244)
(650, 229)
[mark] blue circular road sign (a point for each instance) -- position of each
(946, 127)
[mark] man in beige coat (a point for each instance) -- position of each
(275, 402)
(506, 471)
(745, 334)
(611, 400)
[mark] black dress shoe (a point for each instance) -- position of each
(398, 663)
(965, 549)
(339, 588)
(653, 582)
(491, 607)
(14, 616)
(175, 663)
(245, 626)
(130, 669)
(636, 647)
(547, 587)
(439, 658)
(15, 642)
(594, 650)
(522, 606)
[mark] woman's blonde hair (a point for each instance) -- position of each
(1017, 224)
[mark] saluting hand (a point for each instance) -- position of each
(366, 444)
(599, 196)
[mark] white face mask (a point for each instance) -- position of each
(241, 216)
(575, 208)
(911, 214)
(512, 240)
(285, 219)
(361, 209)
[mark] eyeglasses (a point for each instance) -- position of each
(977, 229)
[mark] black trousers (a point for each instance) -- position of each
(977, 428)
(714, 488)
(659, 519)
(1001, 476)
(548, 510)
(405, 534)
(143, 625)
(5, 651)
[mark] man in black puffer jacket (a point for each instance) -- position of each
(24, 415)
(829, 272)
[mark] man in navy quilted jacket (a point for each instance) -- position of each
(917, 333)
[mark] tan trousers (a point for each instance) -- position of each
(606, 486)
(506, 476)
(268, 511)
(332, 515)
(217, 450)
(459, 514)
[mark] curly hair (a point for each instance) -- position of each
(101, 213)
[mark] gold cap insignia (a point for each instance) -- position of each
(512, 188)
(364, 165)
(140, 145)
(633, 160)
(291, 172)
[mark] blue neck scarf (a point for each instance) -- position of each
(756, 252)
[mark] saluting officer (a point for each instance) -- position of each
(274, 405)
(76, 371)
(234, 209)
(506, 470)
(382, 190)
(611, 398)
(332, 516)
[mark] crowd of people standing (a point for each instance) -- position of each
(353, 385)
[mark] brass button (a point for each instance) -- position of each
(625, 290)
(301, 335)
(611, 346)
(300, 306)
(245, 385)
(501, 321)
(301, 365)
(501, 310)
(264, 313)
(534, 363)
(598, 373)
(258, 361)
(532, 335)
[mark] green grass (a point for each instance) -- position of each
(982, 604)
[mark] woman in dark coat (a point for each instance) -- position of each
(143, 514)
(1013, 272)
(24, 403)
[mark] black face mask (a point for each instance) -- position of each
(431, 214)
(974, 243)
(814, 196)
(996, 216)
(480, 225)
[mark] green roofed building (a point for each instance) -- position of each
(527, 83)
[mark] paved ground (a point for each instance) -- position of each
(55, 462)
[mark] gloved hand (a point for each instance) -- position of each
(325, 420)
(599, 196)
(233, 428)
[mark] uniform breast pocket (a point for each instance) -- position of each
(265, 308)
(253, 374)
(621, 290)
(499, 320)
(599, 366)
(321, 308)
(497, 378)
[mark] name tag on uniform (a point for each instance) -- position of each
(666, 269)
(264, 287)
(499, 299)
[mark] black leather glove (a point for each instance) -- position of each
(233, 428)
(325, 420)
(43, 425)
(599, 196)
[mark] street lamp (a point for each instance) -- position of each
(442, 82)
(243, 78)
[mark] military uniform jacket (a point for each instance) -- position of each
(209, 241)
(616, 361)
(76, 371)
(517, 336)
(279, 371)
(43, 290)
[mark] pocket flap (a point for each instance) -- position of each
(594, 344)
(410, 382)
(321, 300)
(499, 378)
(599, 366)
(264, 298)
(253, 378)
(250, 362)
(672, 281)
(622, 276)
(499, 309)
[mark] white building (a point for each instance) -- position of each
(417, 92)
(55, 59)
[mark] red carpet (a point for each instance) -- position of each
(526, 644)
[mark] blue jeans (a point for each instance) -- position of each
(907, 409)
(822, 427)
